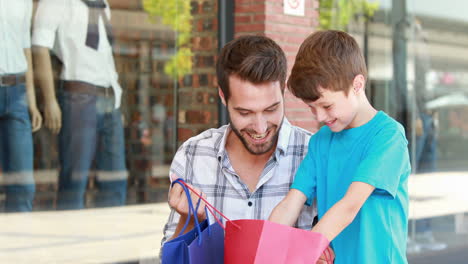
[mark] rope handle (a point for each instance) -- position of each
(209, 206)
(327, 254)
(192, 212)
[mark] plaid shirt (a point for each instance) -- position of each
(203, 161)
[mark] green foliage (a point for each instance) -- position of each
(336, 14)
(180, 64)
(175, 14)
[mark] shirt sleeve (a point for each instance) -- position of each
(27, 25)
(305, 179)
(49, 16)
(385, 161)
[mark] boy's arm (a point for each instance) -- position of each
(340, 215)
(288, 210)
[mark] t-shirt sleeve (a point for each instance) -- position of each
(384, 162)
(49, 16)
(305, 179)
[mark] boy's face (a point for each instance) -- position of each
(256, 112)
(335, 109)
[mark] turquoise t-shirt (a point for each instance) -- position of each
(375, 153)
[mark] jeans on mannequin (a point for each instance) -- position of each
(16, 149)
(92, 130)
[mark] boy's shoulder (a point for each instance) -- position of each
(387, 125)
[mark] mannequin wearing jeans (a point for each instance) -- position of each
(18, 111)
(87, 113)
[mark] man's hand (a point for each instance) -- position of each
(53, 116)
(329, 255)
(178, 201)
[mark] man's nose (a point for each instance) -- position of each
(260, 124)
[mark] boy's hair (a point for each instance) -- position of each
(257, 59)
(326, 59)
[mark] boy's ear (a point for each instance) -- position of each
(221, 95)
(359, 83)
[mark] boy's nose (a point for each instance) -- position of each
(321, 115)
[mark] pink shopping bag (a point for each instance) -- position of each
(260, 241)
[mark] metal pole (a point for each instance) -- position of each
(226, 34)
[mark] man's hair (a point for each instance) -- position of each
(326, 59)
(257, 59)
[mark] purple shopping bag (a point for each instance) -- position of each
(203, 244)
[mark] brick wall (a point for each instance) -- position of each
(266, 17)
(198, 96)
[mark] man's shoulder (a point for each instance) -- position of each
(300, 134)
(209, 138)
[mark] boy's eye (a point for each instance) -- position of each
(327, 106)
(270, 110)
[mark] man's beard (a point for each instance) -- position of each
(262, 148)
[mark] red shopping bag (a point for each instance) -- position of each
(260, 241)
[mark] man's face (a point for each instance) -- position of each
(335, 109)
(256, 112)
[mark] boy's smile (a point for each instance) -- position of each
(335, 109)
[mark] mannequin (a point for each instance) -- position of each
(85, 112)
(17, 97)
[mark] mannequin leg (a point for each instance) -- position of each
(17, 148)
(77, 144)
(110, 160)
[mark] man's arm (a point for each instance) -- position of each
(43, 73)
(340, 215)
(288, 210)
(36, 118)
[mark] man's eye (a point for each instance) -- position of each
(270, 110)
(327, 106)
(243, 113)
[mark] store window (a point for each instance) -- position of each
(417, 60)
(116, 86)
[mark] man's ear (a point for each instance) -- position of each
(221, 95)
(359, 83)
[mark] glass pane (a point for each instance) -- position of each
(418, 73)
(111, 78)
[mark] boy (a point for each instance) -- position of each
(357, 165)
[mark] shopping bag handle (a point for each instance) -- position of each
(209, 206)
(192, 212)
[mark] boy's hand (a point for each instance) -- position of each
(329, 255)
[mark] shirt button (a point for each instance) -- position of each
(249, 203)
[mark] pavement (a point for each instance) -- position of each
(129, 234)
(132, 234)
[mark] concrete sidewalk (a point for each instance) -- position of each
(132, 234)
(110, 235)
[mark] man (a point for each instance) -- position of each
(16, 96)
(245, 168)
(87, 113)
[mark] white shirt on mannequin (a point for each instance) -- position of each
(61, 25)
(15, 16)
